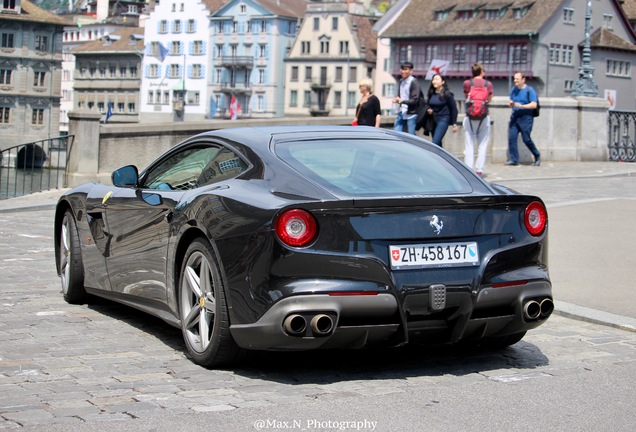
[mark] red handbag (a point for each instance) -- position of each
(355, 122)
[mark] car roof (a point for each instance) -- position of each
(255, 136)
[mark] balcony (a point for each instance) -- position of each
(235, 88)
(319, 109)
(235, 61)
(323, 84)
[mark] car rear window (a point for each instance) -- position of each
(373, 167)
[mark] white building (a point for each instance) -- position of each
(176, 64)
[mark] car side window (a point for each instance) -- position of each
(181, 170)
(225, 165)
(193, 167)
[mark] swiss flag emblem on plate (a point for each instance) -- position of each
(395, 254)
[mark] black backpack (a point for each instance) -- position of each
(536, 111)
(421, 111)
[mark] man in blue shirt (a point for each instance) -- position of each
(523, 99)
(407, 99)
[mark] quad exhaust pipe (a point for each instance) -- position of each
(295, 325)
(535, 309)
(319, 325)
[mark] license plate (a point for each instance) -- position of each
(434, 255)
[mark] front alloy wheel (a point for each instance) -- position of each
(70, 261)
(203, 309)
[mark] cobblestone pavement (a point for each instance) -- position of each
(104, 366)
(63, 364)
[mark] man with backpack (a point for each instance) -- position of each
(407, 99)
(478, 93)
(523, 101)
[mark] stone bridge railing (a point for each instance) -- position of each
(569, 129)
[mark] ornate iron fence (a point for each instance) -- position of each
(622, 136)
(34, 167)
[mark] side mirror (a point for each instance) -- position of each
(126, 176)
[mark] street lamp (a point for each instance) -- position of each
(585, 85)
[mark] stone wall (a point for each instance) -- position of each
(569, 129)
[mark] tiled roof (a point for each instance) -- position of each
(629, 6)
(366, 36)
(286, 8)
(604, 38)
(120, 41)
(419, 18)
(32, 13)
(214, 5)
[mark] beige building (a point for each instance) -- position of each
(335, 48)
(107, 71)
(30, 71)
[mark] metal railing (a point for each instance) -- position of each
(35, 166)
(622, 136)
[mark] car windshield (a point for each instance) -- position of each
(373, 167)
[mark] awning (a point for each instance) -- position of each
(180, 86)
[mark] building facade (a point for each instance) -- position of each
(122, 12)
(543, 40)
(177, 59)
(335, 48)
(86, 29)
(385, 82)
(107, 75)
(30, 71)
(250, 40)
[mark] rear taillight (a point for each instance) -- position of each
(296, 227)
(536, 218)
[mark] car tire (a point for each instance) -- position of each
(203, 308)
(70, 256)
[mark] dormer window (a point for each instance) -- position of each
(494, 14)
(465, 15)
(520, 12)
(442, 14)
(11, 6)
(132, 40)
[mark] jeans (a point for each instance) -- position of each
(521, 125)
(403, 119)
(441, 126)
(476, 134)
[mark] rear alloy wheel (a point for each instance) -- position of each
(71, 268)
(203, 309)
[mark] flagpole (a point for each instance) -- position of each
(184, 82)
